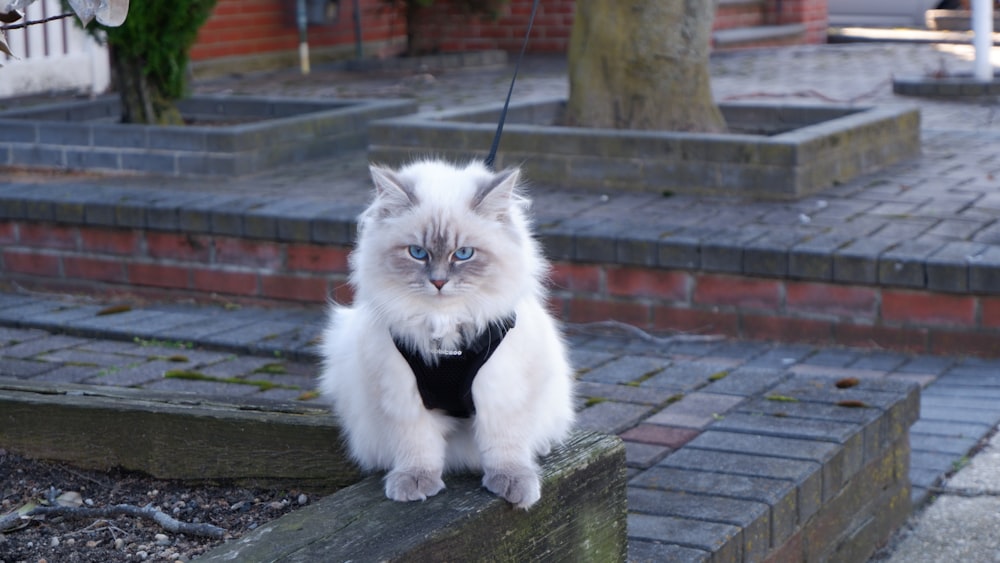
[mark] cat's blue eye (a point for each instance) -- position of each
(418, 252)
(464, 253)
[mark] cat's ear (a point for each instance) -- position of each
(495, 197)
(391, 193)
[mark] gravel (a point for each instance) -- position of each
(238, 510)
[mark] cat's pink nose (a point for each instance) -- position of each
(439, 283)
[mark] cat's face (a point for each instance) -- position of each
(438, 237)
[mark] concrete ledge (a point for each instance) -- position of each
(261, 133)
(580, 517)
(776, 152)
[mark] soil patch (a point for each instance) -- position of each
(237, 510)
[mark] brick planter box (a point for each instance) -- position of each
(264, 132)
(775, 152)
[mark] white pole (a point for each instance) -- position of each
(982, 28)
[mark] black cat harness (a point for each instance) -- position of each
(447, 385)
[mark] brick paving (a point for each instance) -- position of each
(659, 397)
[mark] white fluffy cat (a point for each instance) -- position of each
(443, 253)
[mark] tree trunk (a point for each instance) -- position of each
(142, 101)
(642, 64)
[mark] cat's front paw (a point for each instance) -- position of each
(412, 484)
(520, 486)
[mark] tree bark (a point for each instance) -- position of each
(142, 101)
(642, 64)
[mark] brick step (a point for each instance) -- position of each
(762, 463)
(758, 36)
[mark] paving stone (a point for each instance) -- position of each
(126, 319)
(696, 410)
(12, 336)
(207, 327)
(643, 455)
(582, 358)
(66, 374)
(746, 381)
(780, 357)
(625, 369)
(85, 358)
(679, 250)
(807, 476)
(41, 345)
(751, 517)
(26, 310)
(623, 393)
(903, 265)
(204, 388)
(830, 431)
(238, 366)
(931, 400)
(791, 448)
(744, 350)
(813, 259)
(669, 436)
(857, 262)
(722, 540)
(247, 336)
(932, 461)
(794, 412)
(984, 270)
(926, 364)
(780, 496)
(640, 551)
(834, 357)
(284, 395)
(924, 478)
(948, 267)
(24, 369)
(161, 324)
(610, 416)
(135, 373)
(945, 390)
(881, 361)
(684, 376)
(958, 415)
(955, 445)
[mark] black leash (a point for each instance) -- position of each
(503, 114)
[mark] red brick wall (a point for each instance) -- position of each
(445, 26)
(134, 261)
(247, 27)
(778, 309)
(812, 13)
(143, 261)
